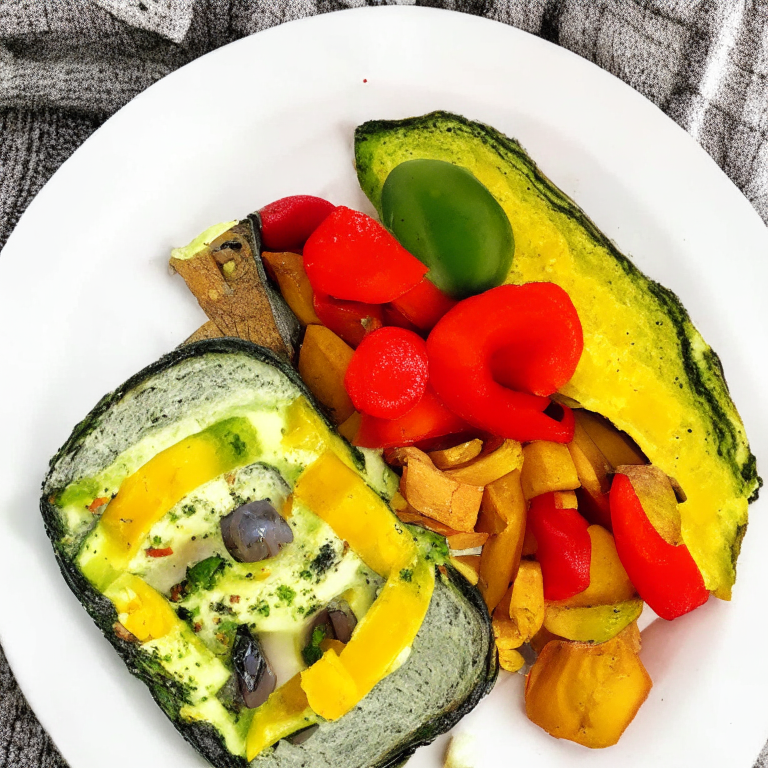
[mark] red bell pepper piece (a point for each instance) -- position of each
(351, 256)
(424, 305)
(563, 547)
(429, 419)
(665, 575)
(351, 320)
(287, 223)
(393, 316)
(388, 373)
(494, 356)
(165, 552)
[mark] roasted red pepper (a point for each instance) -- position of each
(393, 316)
(164, 552)
(388, 373)
(665, 576)
(351, 256)
(424, 305)
(563, 547)
(495, 356)
(351, 320)
(429, 419)
(287, 223)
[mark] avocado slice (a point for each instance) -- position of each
(180, 643)
(645, 367)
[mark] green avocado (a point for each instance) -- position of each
(645, 367)
(233, 405)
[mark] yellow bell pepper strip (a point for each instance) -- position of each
(143, 611)
(149, 493)
(283, 713)
(357, 514)
(336, 683)
(330, 688)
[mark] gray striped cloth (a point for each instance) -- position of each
(67, 65)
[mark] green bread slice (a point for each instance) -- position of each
(452, 663)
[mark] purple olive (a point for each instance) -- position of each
(336, 620)
(254, 532)
(342, 620)
(254, 673)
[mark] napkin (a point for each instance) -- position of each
(67, 65)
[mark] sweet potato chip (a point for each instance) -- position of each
(547, 467)
(467, 566)
(431, 492)
(501, 553)
(487, 468)
(511, 661)
(287, 270)
(458, 454)
(323, 361)
(459, 541)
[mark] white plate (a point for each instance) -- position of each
(86, 300)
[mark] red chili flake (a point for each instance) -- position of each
(153, 552)
(198, 626)
(443, 570)
(177, 592)
(234, 598)
(98, 502)
(365, 79)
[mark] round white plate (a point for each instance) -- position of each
(86, 300)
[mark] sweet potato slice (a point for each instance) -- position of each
(510, 660)
(323, 361)
(608, 581)
(587, 693)
(456, 455)
(468, 566)
(547, 467)
(520, 613)
(287, 270)
(459, 541)
(593, 470)
(501, 554)
(431, 492)
(617, 447)
(489, 467)
(566, 500)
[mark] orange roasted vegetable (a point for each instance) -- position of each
(287, 270)
(486, 469)
(323, 361)
(501, 554)
(520, 614)
(457, 454)
(434, 494)
(587, 693)
(547, 467)
(617, 447)
(468, 566)
(608, 581)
